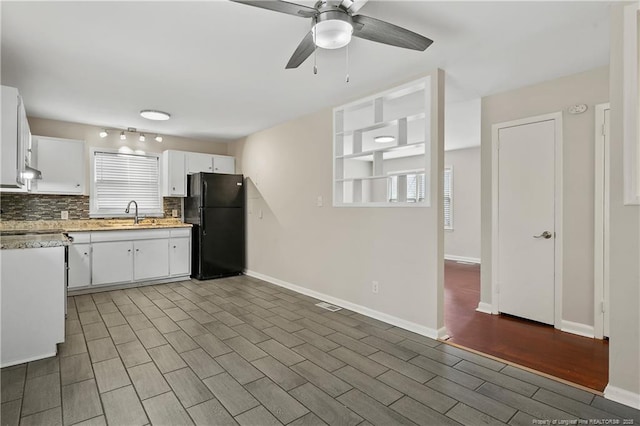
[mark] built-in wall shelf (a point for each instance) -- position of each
(393, 173)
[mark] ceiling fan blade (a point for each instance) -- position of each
(352, 6)
(282, 7)
(303, 51)
(384, 32)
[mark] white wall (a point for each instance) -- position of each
(462, 124)
(463, 241)
(624, 296)
(90, 135)
(339, 251)
(591, 88)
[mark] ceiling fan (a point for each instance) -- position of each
(333, 24)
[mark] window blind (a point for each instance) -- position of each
(119, 178)
(448, 198)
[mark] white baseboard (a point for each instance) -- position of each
(390, 319)
(622, 396)
(485, 308)
(462, 258)
(577, 328)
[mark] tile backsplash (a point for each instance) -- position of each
(48, 207)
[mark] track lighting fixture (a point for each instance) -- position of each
(123, 134)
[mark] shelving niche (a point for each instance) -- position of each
(389, 174)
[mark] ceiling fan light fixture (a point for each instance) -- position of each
(332, 33)
(151, 114)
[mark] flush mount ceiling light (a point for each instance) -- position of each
(104, 133)
(384, 139)
(151, 114)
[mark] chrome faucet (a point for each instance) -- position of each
(135, 218)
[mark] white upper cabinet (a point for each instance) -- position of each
(62, 163)
(174, 174)
(15, 139)
(224, 164)
(176, 165)
(197, 162)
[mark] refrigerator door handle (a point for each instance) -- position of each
(202, 222)
(204, 193)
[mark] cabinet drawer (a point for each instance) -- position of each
(142, 234)
(180, 232)
(80, 237)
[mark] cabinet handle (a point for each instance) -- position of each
(174, 246)
(137, 249)
(77, 185)
(129, 250)
(174, 188)
(86, 254)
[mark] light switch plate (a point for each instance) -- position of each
(64, 215)
(319, 201)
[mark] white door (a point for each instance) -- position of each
(112, 262)
(179, 256)
(197, 162)
(151, 259)
(177, 174)
(224, 164)
(526, 220)
(79, 265)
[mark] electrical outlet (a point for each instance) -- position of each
(64, 215)
(319, 201)
(174, 213)
(260, 214)
(375, 286)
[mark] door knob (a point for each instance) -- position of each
(546, 235)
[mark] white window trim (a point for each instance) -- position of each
(93, 211)
(450, 227)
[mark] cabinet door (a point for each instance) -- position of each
(224, 164)
(179, 262)
(151, 259)
(197, 162)
(112, 262)
(61, 162)
(79, 265)
(176, 174)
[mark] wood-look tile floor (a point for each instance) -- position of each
(577, 359)
(242, 351)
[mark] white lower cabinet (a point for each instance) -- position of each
(179, 259)
(112, 262)
(101, 258)
(151, 259)
(79, 265)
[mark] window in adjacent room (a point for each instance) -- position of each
(117, 178)
(415, 188)
(448, 198)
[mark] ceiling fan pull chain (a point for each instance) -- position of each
(347, 54)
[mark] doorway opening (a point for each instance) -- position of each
(487, 328)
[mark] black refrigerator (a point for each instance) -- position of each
(215, 207)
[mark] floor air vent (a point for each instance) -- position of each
(328, 306)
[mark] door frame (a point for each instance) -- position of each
(495, 169)
(601, 226)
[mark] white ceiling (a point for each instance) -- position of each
(218, 66)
